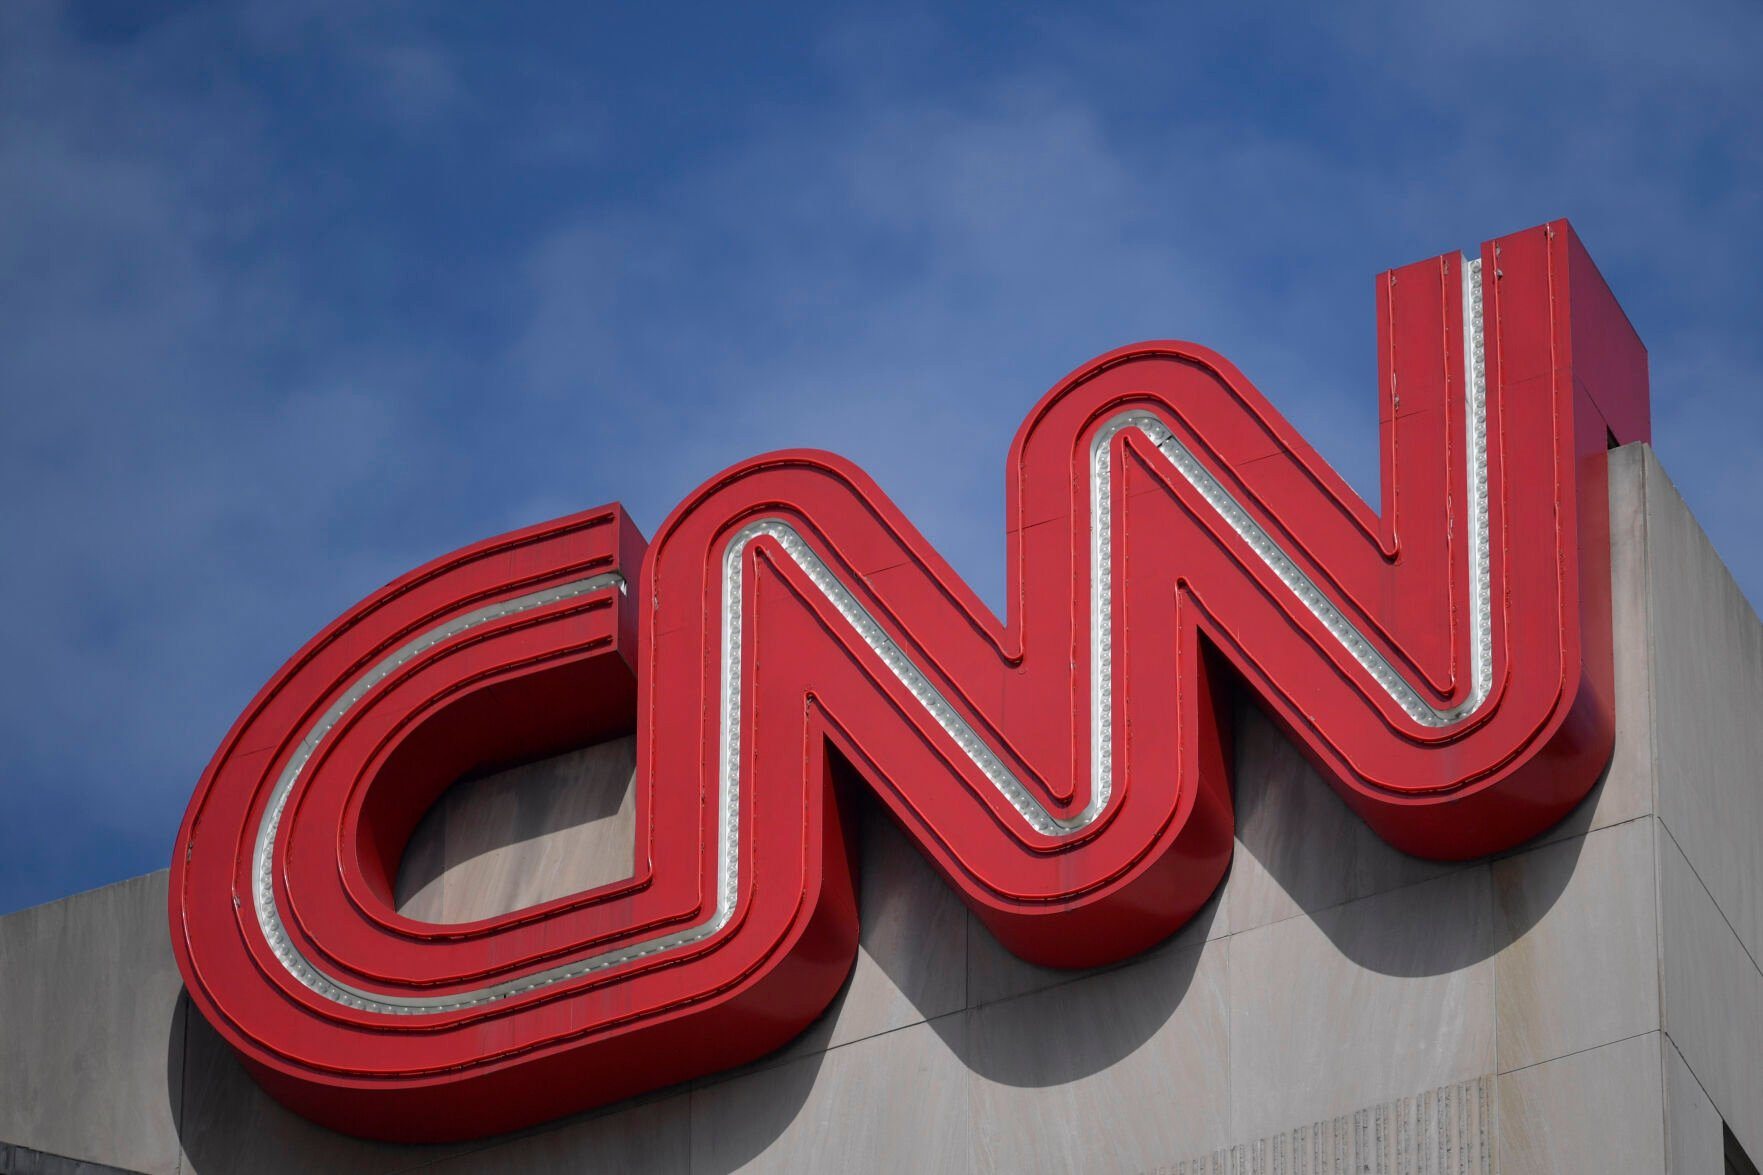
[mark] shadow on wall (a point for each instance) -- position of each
(1301, 853)
(501, 841)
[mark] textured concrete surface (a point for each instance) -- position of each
(1693, 1140)
(91, 1023)
(523, 836)
(1708, 711)
(1299, 848)
(1713, 997)
(1579, 966)
(1587, 1113)
(1056, 1076)
(1706, 650)
(1387, 995)
(1451, 1129)
(1589, 1002)
(22, 1160)
(911, 965)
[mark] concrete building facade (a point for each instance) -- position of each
(1591, 1002)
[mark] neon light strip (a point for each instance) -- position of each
(900, 664)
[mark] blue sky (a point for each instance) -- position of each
(294, 296)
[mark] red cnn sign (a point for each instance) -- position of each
(1445, 662)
